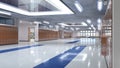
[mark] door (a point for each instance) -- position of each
(31, 34)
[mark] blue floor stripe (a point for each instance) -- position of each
(18, 48)
(73, 42)
(60, 61)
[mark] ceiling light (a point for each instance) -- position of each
(46, 22)
(72, 29)
(63, 9)
(99, 20)
(89, 21)
(94, 28)
(78, 6)
(36, 22)
(100, 5)
(89, 28)
(84, 24)
(63, 24)
(92, 25)
(5, 12)
(99, 27)
(77, 28)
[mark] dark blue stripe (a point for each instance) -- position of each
(57, 62)
(18, 48)
(73, 42)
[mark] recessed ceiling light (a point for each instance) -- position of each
(78, 6)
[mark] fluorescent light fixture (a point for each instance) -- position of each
(89, 21)
(99, 23)
(78, 6)
(84, 24)
(72, 29)
(63, 24)
(94, 28)
(36, 22)
(5, 12)
(46, 22)
(89, 64)
(92, 25)
(89, 28)
(58, 3)
(99, 26)
(99, 20)
(100, 5)
(77, 28)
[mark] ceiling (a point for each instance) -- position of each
(90, 11)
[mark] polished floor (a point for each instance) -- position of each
(62, 53)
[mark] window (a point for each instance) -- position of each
(7, 21)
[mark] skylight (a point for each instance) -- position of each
(56, 3)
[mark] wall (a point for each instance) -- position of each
(23, 30)
(67, 34)
(48, 34)
(8, 34)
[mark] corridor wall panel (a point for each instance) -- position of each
(8, 35)
(67, 34)
(48, 34)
